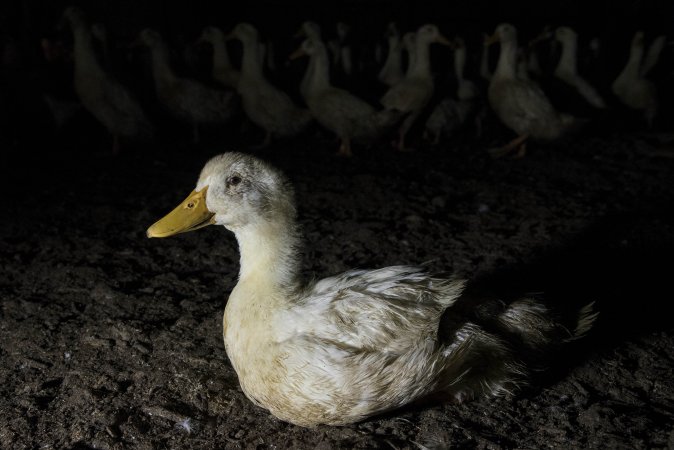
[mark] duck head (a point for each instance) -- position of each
(244, 32)
(309, 29)
(505, 32)
(211, 34)
(430, 33)
(72, 17)
(149, 38)
(308, 47)
(235, 190)
(565, 34)
(392, 30)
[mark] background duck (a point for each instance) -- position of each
(222, 70)
(632, 88)
(520, 103)
(186, 99)
(452, 113)
(391, 72)
(265, 105)
(336, 109)
(309, 30)
(412, 94)
(111, 103)
(342, 349)
(567, 68)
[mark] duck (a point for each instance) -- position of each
(341, 349)
(520, 103)
(567, 71)
(412, 94)
(344, 59)
(341, 112)
(109, 101)
(186, 99)
(222, 71)
(342, 50)
(391, 72)
(265, 105)
(632, 88)
(308, 30)
(452, 113)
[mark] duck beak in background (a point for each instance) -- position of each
(440, 39)
(190, 215)
(297, 54)
(493, 39)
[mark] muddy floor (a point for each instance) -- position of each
(111, 340)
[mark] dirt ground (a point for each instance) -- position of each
(111, 340)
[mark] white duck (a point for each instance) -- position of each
(336, 109)
(222, 71)
(186, 99)
(392, 73)
(265, 105)
(631, 88)
(342, 50)
(310, 30)
(342, 349)
(414, 92)
(521, 104)
(567, 70)
(101, 94)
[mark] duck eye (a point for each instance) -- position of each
(233, 180)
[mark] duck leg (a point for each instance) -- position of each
(345, 148)
(513, 145)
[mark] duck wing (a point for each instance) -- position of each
(389, 310)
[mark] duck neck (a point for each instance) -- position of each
(161, 69)
(251, 66)
(392, 62)
(567, 62)
(83, 48)
(319, 78)
(221, 60)
(633, 66)
(507, 60)
(421, 62)
(269, 256)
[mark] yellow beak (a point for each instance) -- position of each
(493, 39)
(190, 215)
